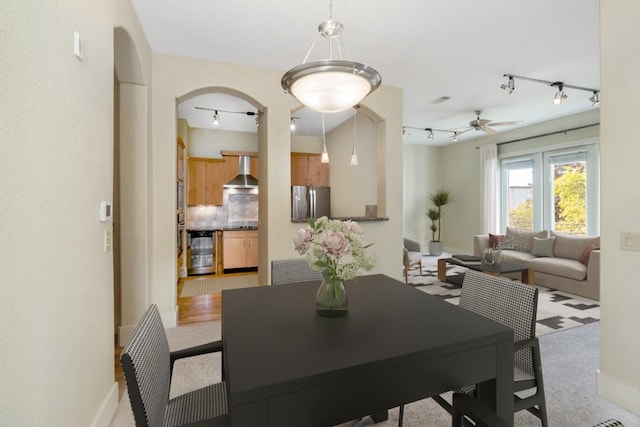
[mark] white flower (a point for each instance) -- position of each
(302, 242)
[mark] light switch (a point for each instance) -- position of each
(107, 240)
(629, 241)
(77, 45)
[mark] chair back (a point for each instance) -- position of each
(146, 366)
(292, 270)
(507, 301)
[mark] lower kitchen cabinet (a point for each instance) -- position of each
(240, 249)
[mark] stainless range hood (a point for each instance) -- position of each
(243, 179)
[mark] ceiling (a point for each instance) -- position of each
(429, 48)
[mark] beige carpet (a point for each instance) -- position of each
(208, 286)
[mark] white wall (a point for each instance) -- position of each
(207, 143)
(422, 173)
(619, 377)
(56, 165)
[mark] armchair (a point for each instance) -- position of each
(411, 256)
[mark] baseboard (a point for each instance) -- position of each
(124, 333)
(107, 409)
(170, 320)
(618, 392)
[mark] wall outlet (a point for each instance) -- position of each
(629, 241)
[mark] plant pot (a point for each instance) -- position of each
(435, 248)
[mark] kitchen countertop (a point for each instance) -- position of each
(352, 218)
(220, 228)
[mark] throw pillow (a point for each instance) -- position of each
(587, 253)
(495, 240)
(543, 247)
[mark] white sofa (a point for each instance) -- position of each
(560, 261)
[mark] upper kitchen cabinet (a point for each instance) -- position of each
(206, 178)
(307, 169)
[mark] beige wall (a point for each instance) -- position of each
(353, 187)
(56, 165)
(175, 77)
(619, 377)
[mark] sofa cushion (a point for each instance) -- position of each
(564, 267)
(519, 239)
(572, 247)
(495, 240)
(515, 257)
(584, 258)
(543, 247)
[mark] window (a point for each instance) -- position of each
(555, 190)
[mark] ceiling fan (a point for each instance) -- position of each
(482, 125)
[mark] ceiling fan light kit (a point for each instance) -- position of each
(331, 85)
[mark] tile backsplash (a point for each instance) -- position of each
(240, 208)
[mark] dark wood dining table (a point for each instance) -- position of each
(286, 366)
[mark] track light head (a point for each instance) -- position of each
(595, 99)
(292, 126)
(216, 119)
(510, 86)
(560, 95)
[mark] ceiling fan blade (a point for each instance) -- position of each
(488, 130)
(483, 122)
(515, 122)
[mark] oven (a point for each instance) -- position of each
(201, 252)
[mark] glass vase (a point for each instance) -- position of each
(331, 298)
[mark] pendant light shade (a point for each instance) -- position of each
(331, 85)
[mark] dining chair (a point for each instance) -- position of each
(513, 304)
(292, 270)
(147, 365)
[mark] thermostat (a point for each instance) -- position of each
(105, 210)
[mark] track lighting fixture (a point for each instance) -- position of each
(455, 136)
(215, 120)
(429, 131)
(292, 126)
(560, 95)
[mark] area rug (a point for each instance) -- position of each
(569, 362)
(557, 310)
(209, 286)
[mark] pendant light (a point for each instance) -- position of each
(354, 155)
(325, 154)
(331, 85)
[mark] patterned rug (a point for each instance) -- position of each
(557, 310)
(210, 286)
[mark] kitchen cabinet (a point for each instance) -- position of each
(205, 181)
(240, 249)
(307, 169)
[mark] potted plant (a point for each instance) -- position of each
(439, 199)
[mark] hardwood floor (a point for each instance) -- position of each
(203, 308)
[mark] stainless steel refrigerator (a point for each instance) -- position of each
(310, 202)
